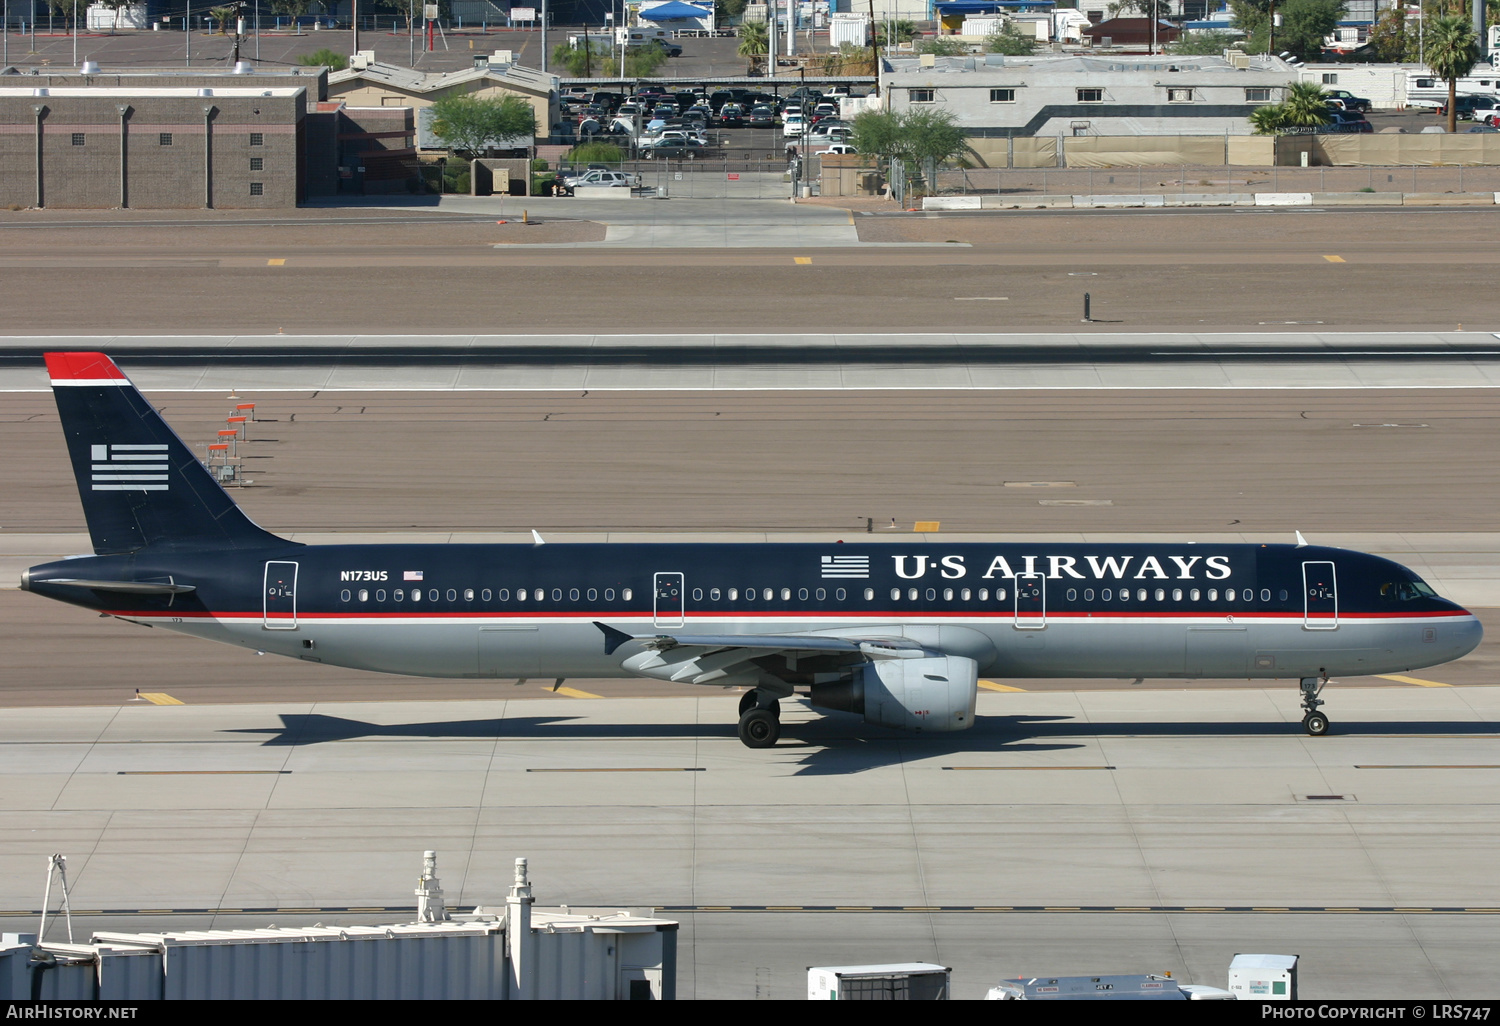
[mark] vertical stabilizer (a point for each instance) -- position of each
(140, 485)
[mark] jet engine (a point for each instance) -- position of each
(927, 693)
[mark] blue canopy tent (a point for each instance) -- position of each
(674, 11)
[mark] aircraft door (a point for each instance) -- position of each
(669, 607)
(1031, 602)
(1321, 597)
(279, 597)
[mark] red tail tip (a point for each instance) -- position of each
(82, 367)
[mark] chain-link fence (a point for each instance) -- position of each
(711, 179)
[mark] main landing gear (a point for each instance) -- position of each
(760, 719)
(1314, 722)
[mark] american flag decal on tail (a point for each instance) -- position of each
(129, 468)
(846, 566)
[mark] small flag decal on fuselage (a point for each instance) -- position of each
(846, 566)
(412, 575)
(129, 468)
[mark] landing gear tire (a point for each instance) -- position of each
(759, 728)
(1315, 723)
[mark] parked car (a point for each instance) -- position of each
(1476, 107)
(761, 117)
(793, 126)
(1346, 100)
(837, 149)
(672, 145)
(731, 115)
(606, 179)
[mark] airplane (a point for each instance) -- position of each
(899, 634)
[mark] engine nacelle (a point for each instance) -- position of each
(932, 693)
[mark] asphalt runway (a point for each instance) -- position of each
(1182, 824)
(1258, 269)
(1064, 833)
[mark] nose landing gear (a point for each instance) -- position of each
(1314, 722)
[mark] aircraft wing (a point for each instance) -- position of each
(737, 658)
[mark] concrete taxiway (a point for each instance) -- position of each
(1156, 831)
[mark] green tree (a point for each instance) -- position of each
(596, 153)
(471, 124)
(1202, 44)
(899, 32)
(222, 16)
(731, 10)
(1304, 24)
(588, 60)
(753, 42)
(324, 58)
(848, 59)
(1451, 52)
(1391, 41)
(292, 8)
(1010, 41)
(921, 139)
(1268, 120)
(942, 46)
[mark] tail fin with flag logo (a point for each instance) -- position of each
(140, 485)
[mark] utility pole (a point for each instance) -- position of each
(874, 55)
(354, 12)
(239, 31)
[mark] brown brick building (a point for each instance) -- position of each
(152, 147)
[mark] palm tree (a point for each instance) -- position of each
(1305, 105)
(1452, 52)
(753, 43)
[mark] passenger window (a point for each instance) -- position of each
(1072, 594)
(734, 594)
(1194, 594)
(485, 595)
(1265, 594)
(802, 594)
(947, 594)
(380, 595)
(609, 594)
(911, 593)
(820, 594)
(999, 594)
(1213, 594)
(749, 594)
(573, 594)
(539, 594)
(468, 594)
(625, 594)
(1228, 594)
(593, 594)
(344, 595)
(931, 594)
(896, 594)
(416, 594)
(841, 594)
(769, 594)
(965, 594)
(869, 594)
(1283, 594)
(786, 594)
(984, 594)
(1124, 594)
(1088, 594)
(399, 594)
(1176, 594)
(364, 595)
(503, 594)
(520, 594)
(1140, 594)
(1107, 594)
(697, 595)
(556, 595)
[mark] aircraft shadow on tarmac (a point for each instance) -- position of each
(835, 745)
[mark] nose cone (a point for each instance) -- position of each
(1465, 636)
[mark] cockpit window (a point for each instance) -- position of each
(1406, 591)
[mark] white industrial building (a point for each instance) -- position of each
(996, 96)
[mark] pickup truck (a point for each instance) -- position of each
(1345, 100)
(595, 176)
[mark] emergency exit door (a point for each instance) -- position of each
(1031, 602)
(279, 597)
(1321, 596)
(670, 606)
